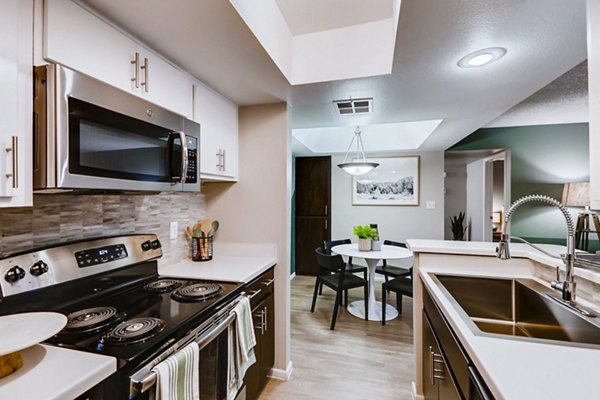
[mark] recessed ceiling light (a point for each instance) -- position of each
(481, 57)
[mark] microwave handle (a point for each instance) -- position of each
(184, 154)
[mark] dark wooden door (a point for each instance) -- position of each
(312, 210)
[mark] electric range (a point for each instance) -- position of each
(117, 305)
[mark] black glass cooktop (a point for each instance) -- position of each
(134, 323)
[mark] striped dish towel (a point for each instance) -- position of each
(241, 346)
(177, 377)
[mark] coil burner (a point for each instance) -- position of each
(162, 286)
(90, 319)
(135, 330)
(197, 292)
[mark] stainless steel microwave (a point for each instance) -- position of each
(89, 135)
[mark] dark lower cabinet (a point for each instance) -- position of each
(448, 372)
(262, 302)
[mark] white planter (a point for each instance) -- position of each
(364, 244)
(376, 245)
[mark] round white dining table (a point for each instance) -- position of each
(357, 308)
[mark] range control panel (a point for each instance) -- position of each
(100, 255)
(44, 267)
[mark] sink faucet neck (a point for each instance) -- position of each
(567, 287)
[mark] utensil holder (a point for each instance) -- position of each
(202, 248)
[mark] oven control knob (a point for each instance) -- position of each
(156, 244)
(14, 274)
(38, 268)
(147, 245)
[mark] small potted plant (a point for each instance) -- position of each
(457, 226)
(365, 235)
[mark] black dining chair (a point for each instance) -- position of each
(350, 267)
(402, 286)
(332, 274)
(392, 270)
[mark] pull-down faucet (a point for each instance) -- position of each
(566, 287)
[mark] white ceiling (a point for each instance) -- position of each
(563, 101)
(309, 16)
(544, 39)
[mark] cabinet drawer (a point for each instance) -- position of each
(260, 287)
(457, 360)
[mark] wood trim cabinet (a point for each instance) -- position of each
(80, 40)
(16, 88)
(262, 302)
(218, 119)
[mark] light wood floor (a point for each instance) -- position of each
(358, 360)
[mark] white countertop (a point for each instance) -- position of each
(51, 372)
(513, 369)
(232, 262)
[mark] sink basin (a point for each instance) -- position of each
(520, 308)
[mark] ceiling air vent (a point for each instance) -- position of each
(354, 106)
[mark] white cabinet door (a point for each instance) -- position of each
(218, 119)
(80, 40)
(16, 102)
(163, 84)
(593, 45)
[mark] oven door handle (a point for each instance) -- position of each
(150, 380)
(184, 155)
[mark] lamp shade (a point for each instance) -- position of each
(497, 217)
(576, 194)
(357, 168)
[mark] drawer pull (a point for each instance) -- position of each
(254, 293)
(269, 282)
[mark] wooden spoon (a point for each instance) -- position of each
(213, 228)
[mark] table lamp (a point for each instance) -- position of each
(577, 194)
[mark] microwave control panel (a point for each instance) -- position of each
(192, 170)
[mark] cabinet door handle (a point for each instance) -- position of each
(266, 325)
(224, 158)
(14, 174)
(145, 84)
(325, 224)
(325, 209)
(136, 74)
(431, 353)
(438, 373)
(261, 324)
(218, 160)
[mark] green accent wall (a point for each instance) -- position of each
(543, 158)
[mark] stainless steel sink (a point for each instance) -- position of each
(520, 308)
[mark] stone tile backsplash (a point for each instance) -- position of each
(60, 218)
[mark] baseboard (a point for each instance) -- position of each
(282, 374)
(413, 392)
(292, 276)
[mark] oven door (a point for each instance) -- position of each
(110, 139)
(214, 363)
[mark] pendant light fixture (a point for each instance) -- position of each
(360, 165)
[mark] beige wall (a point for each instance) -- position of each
(256, 209)
(394, 222)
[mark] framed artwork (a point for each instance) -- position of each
(394, 183)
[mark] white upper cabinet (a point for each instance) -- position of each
(593, 44)
(218, 119)
(75, 37)
(16, 103)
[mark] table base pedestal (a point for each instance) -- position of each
(357, 308)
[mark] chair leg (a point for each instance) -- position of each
(399, 302)
(338, 299)
(366, 302)
(314, 300)
(346, 297)
(320, 289)
(383, 305)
